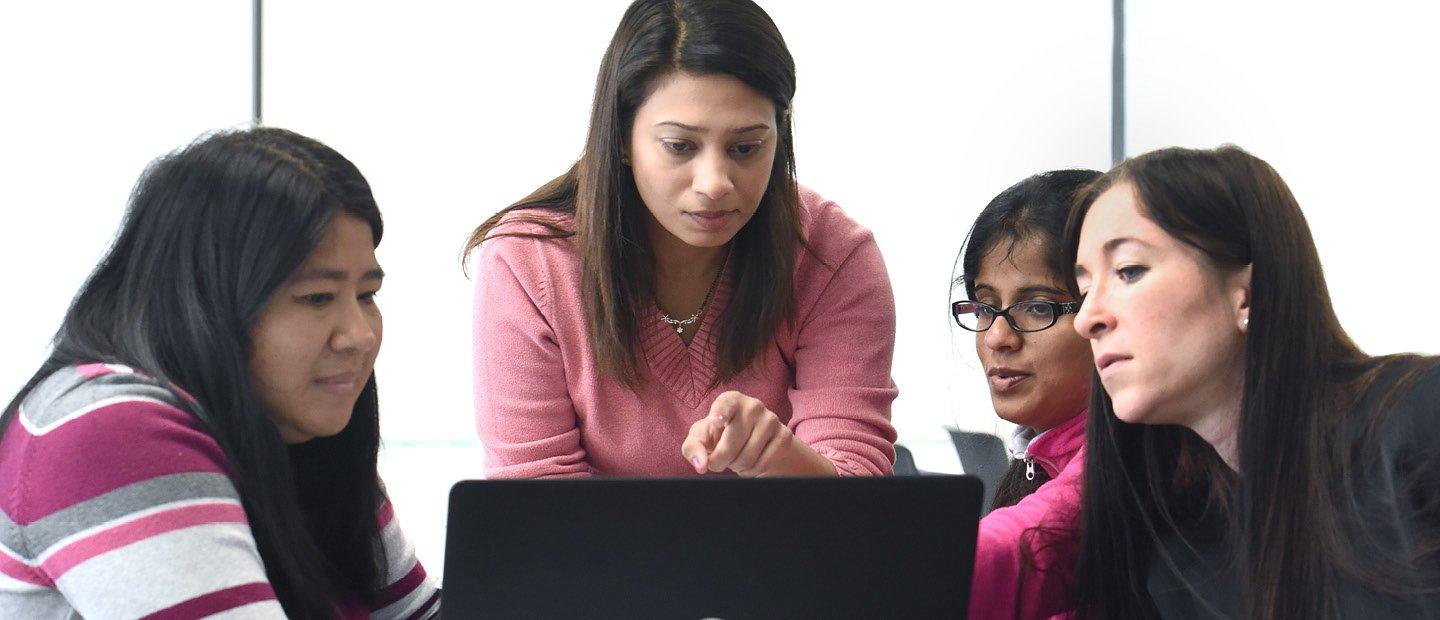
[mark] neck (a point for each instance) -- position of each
(1057, 421)
(677, 260)
(1219, 425)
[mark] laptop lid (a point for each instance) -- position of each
(727, 549)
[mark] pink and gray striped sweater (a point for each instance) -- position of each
(115, 503)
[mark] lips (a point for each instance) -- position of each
(342, 384)
(1005, 379)
(1107, 362)
(711, 220)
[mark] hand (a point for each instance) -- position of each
(742, 435)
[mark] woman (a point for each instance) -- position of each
(675, 304)
(1245, 458)
(1038, 370)
(204, 436)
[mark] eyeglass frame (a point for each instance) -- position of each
(1057, 310)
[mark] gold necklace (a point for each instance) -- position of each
(678, 324)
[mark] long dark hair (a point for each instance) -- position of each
(1290, 512)
(656, 38)
(211, 232)
(1033, 209)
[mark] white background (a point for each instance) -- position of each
(911, 118)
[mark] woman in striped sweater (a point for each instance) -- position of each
(203, 438)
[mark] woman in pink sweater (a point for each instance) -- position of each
(1039, 372)
(675, 303)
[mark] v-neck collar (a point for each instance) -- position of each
(687, 370)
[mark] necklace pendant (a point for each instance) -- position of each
(679, 329)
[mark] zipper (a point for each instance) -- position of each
(1029, 468)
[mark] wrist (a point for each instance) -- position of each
(803, 461)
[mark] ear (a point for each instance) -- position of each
(1239, 291)
(625, 154)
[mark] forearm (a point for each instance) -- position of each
(802, 460)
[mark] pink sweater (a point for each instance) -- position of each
(1045, 525)
(542, 408)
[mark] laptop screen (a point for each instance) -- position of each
(712, 548)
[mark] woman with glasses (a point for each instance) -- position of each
(1038, 370)
(1246, 459)
(675, 304)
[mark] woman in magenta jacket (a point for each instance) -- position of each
(1038, 370)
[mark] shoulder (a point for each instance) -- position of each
(531, 248)
(89, 430)
(1411, 393)
(529, 242)
(829, 230)
(77, 392)
(534, 221)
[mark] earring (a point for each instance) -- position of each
(1245, 323)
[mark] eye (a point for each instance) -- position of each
(746, 149)
(368, 298)
(1131, 273)
(678, 147)
(315, 299)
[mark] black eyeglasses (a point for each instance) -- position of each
(1023, 316)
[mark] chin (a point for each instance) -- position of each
(701, 239)
(330, 426)
(1131, 409)
(1010, 411)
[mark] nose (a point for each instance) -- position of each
(1001, 337)
(712, 177)
(1094, 317)
(357, 330)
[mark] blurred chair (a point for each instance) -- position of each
(981, 455)
(905, 462)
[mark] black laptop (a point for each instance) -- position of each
(725, 549)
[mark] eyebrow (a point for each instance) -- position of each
(1109, 248)
(1113, 244)
(336, 275)
(746, 129)
(1026, 291)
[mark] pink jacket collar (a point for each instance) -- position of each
(1054, 448)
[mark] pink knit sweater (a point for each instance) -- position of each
(543, 409)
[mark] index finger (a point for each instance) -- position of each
(703, 436)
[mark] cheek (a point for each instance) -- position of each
(1067, 361)
(655, 174)
(377, 323)
(755, 179)
(283, 352)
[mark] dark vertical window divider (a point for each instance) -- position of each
(256, 115)
(1117, 85)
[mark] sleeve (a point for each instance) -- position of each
(409, 591)
(844, 347)
(137, 514)
(1026, 554)
(523, 412)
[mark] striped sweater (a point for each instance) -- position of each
(115, 503)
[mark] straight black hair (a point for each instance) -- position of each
(1035, 209)
(211, 232)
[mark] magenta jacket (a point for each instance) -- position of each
(1026, 554)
